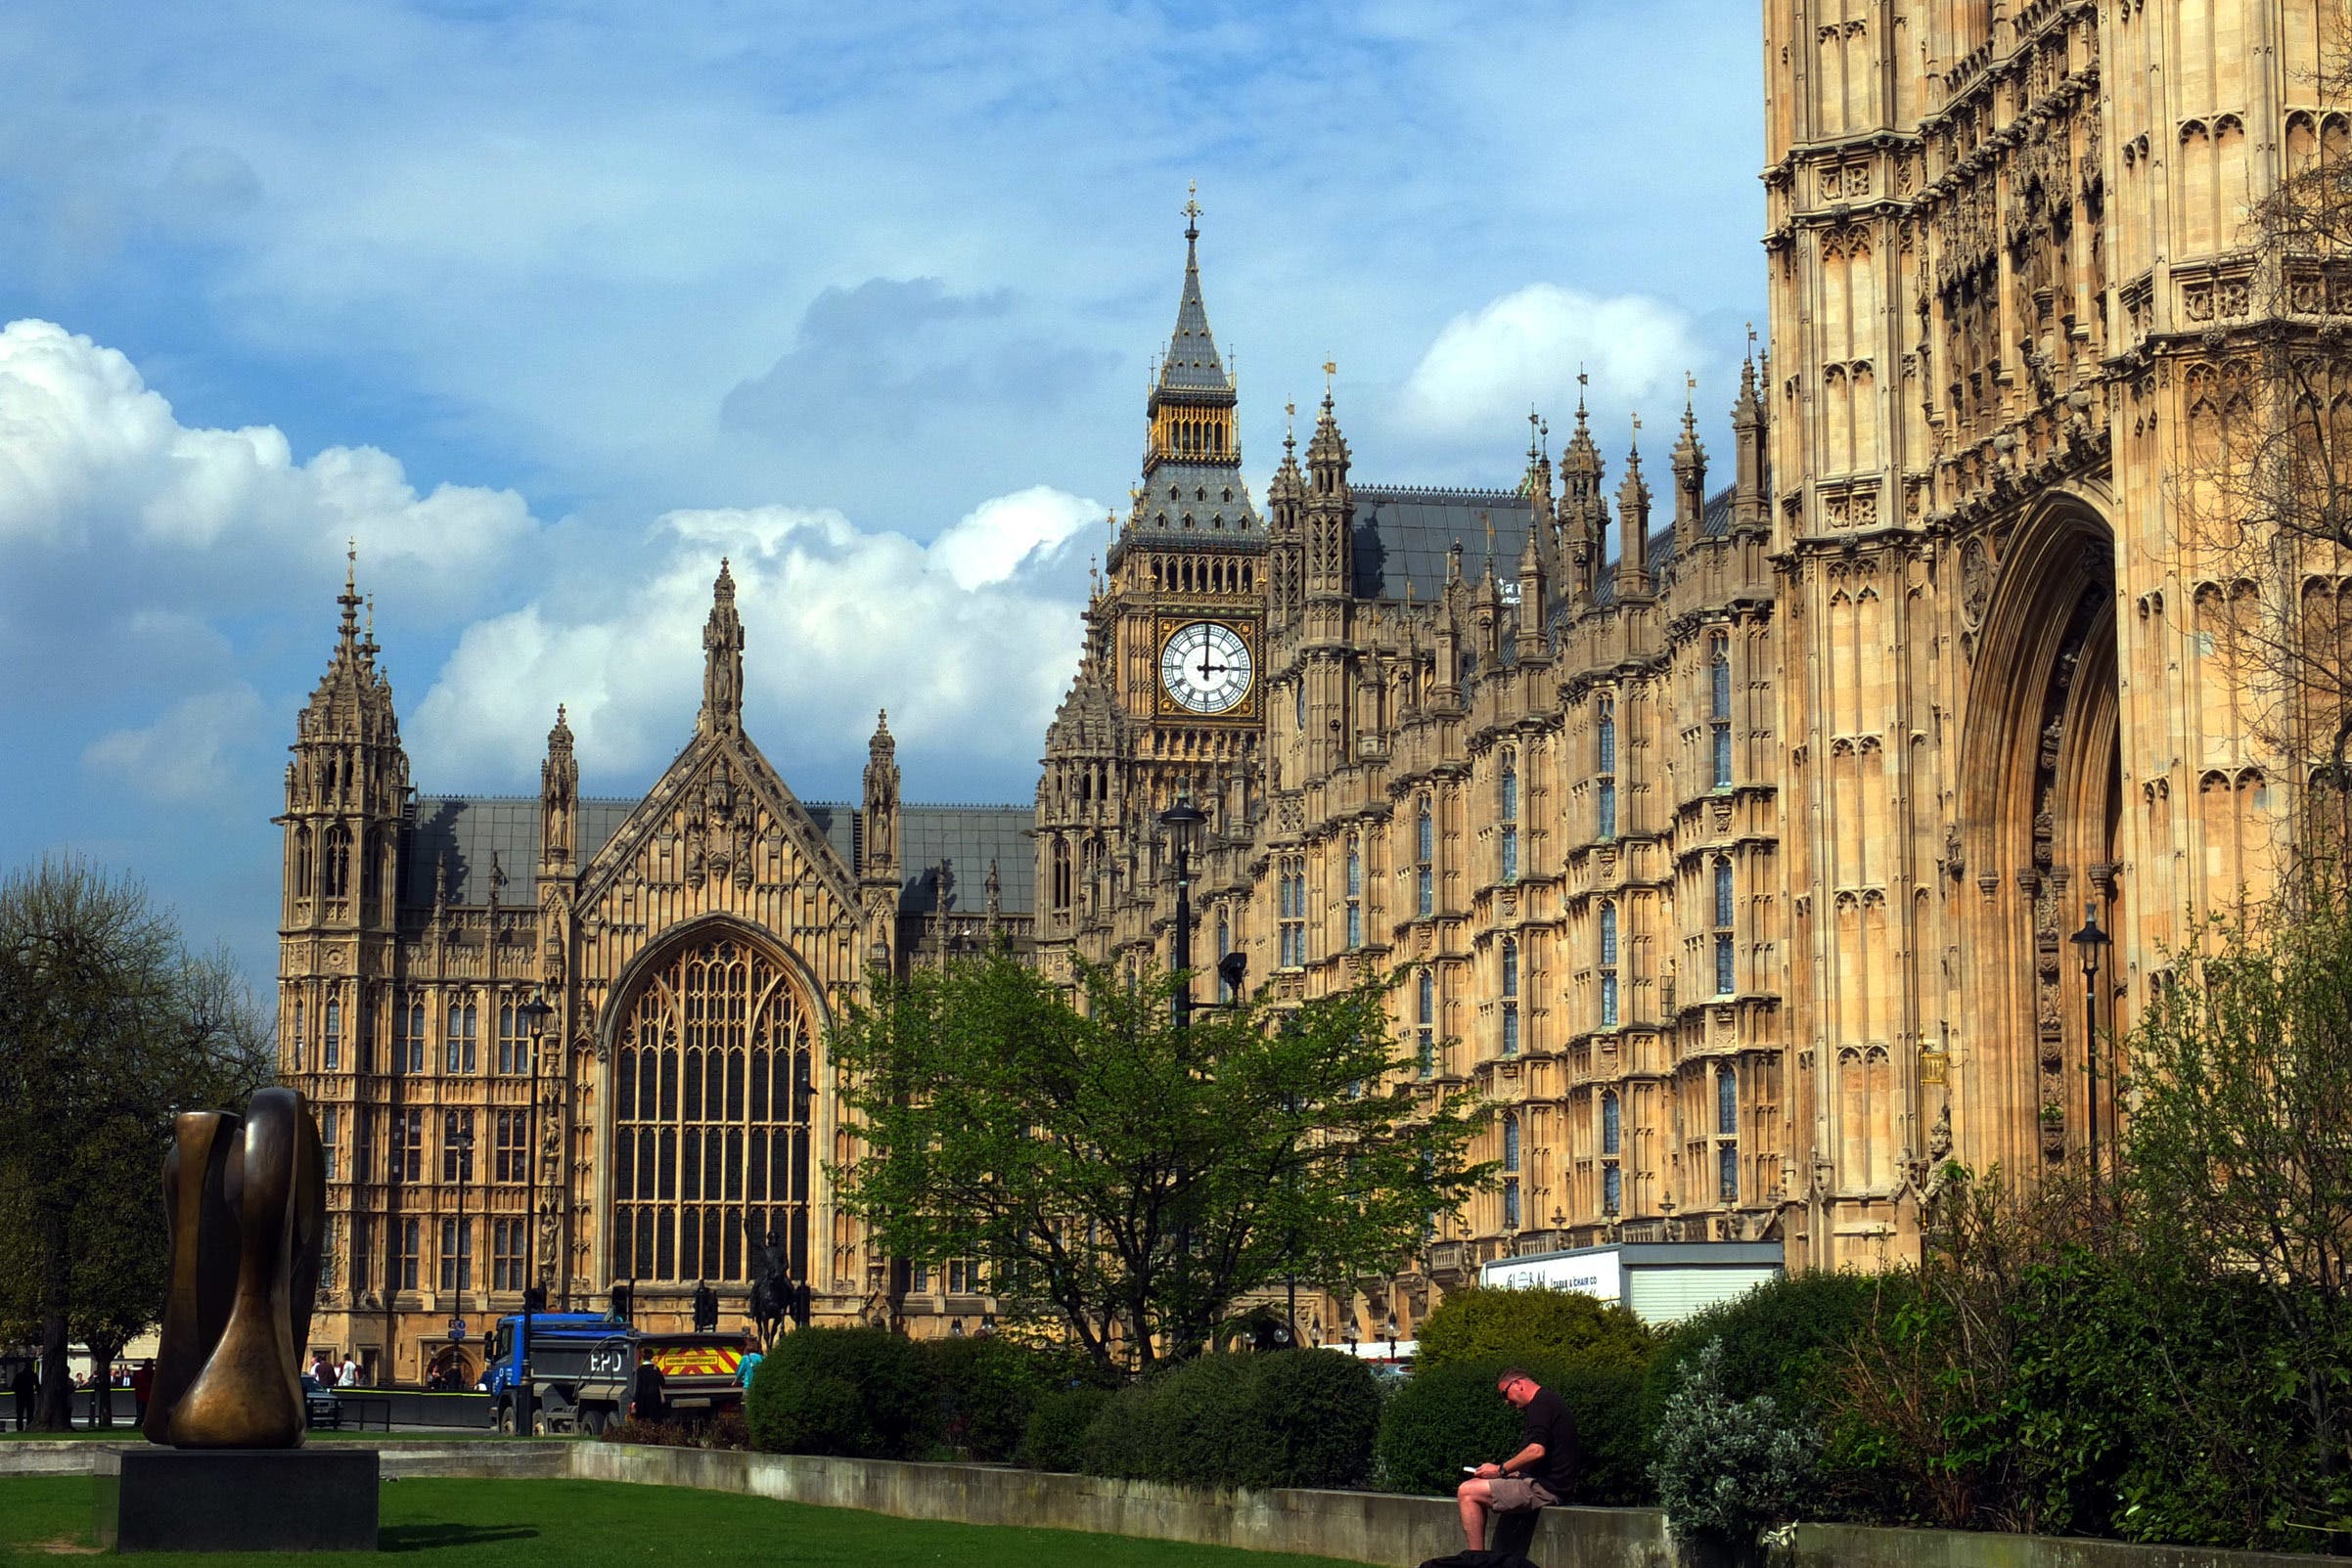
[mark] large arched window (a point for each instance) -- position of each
(1508, 835)
(1424, 1022)
(713, 1090)
(1727, 976)
(1612, 1130)
(338, 860)
(1425, 856)
(1511, 1142)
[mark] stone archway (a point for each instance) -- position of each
(2040, 806)
(713, 1051)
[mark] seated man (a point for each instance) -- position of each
(1534, 1477)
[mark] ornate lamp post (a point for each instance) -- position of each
(1183, 821)
(458, 1139)
(535, 1014)
(2086, 942)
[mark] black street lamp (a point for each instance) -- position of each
(535, 1014)
(458, 1137)
(2088, 941)
(1183, 821)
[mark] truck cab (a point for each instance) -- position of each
(582, 1364)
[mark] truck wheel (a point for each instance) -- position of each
(592, 1420)
(505, 1417)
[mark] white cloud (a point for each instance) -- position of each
(1488, 366)
(186, 754)
(90, 454)
(969, 642)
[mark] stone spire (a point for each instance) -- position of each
(1633, 524)
(1193, 363)
(722, 659)
(1531, 600)
(1285, 501)
(1750, 481)
(1191, 471)
(559, 800)
(1330, 508)
(1583, 514)
(878, 836)
(1690, 482)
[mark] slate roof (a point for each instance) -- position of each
(1192, 364)
(1198, 491)
(1402, 537)
(469, 831)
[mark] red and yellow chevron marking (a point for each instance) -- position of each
(698, 1361)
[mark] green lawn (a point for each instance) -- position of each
(566, 1524)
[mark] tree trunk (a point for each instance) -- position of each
(102, 1382)
(54, 1411)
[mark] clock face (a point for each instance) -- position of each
(1206, 667)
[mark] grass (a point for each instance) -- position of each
(564, 1524)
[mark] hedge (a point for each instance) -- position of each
(1448, 1416)
(863, 1392)
(989, 1386)
(1285, 1419)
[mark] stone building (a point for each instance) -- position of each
(694, 945)
(1732, 842)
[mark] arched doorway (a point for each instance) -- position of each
(2041, 809)
(712, 1097)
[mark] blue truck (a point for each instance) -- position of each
(584, 1368)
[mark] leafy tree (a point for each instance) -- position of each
(107, 1026)
(1127, 1179)
(1565, 1327)
(1727, 1466)
(2239, 1166)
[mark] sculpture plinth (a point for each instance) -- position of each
(245, 1199)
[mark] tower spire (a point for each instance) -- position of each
(722, 659)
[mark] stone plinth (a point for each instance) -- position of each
(237, 1500)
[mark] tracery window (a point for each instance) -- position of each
(459, 1046)
(1291, 878)
(1605, 767)
(514, 1041)
(711, 1113)
(331, 1056)
(338, 860)
(1424, 1023)
(1355, 892)
(408, 1037)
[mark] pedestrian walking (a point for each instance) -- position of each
(348, 1375)
(26, 1388)
(143, 1382)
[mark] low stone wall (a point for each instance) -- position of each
(1362, 1526)
(515, 1461)
(1846, 1545)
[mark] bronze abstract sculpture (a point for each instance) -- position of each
(246, 1197)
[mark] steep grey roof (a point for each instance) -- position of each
(1403, 536)
(968, 838)
(469, 831)
(1191, 365)
(1203, 503)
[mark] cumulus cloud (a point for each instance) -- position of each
(967, 641)
(1487, 367)
(89, 453)
(189, 753)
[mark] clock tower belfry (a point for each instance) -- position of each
(1184, 599)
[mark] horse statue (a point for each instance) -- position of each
(771, 1289)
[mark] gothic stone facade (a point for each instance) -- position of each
(695, 944)
(1731, 852)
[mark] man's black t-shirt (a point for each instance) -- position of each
(1550, 1423)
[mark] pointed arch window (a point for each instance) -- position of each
(1719, 708)
(461, 1051)
(1224, 946)
(1424, 1023)
(295, 1042)
(1424, 857)
(1511, 1142)
(1727, 1135)
(304, 868)
(1290, 887)
(408, 1035)
(1727, 976)
(1608, 966)
(1355, 892)
(1508, 804)
(1613, 1127)
(338, 860)
(1510, 996)
(330, 1055)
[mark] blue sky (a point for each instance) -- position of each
(551, 306)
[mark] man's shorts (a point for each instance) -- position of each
(1511, 1494)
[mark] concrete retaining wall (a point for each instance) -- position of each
(1362, 1526)
(537, 1460)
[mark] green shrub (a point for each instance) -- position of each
(990, 1384)
(861, 1392)
(1448, 1416)
(1056, 1436)
(1286, 1418)
(1561, 1326)
(1727, 1466)
(1783, 1338)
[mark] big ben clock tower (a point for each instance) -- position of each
(1185, 591)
